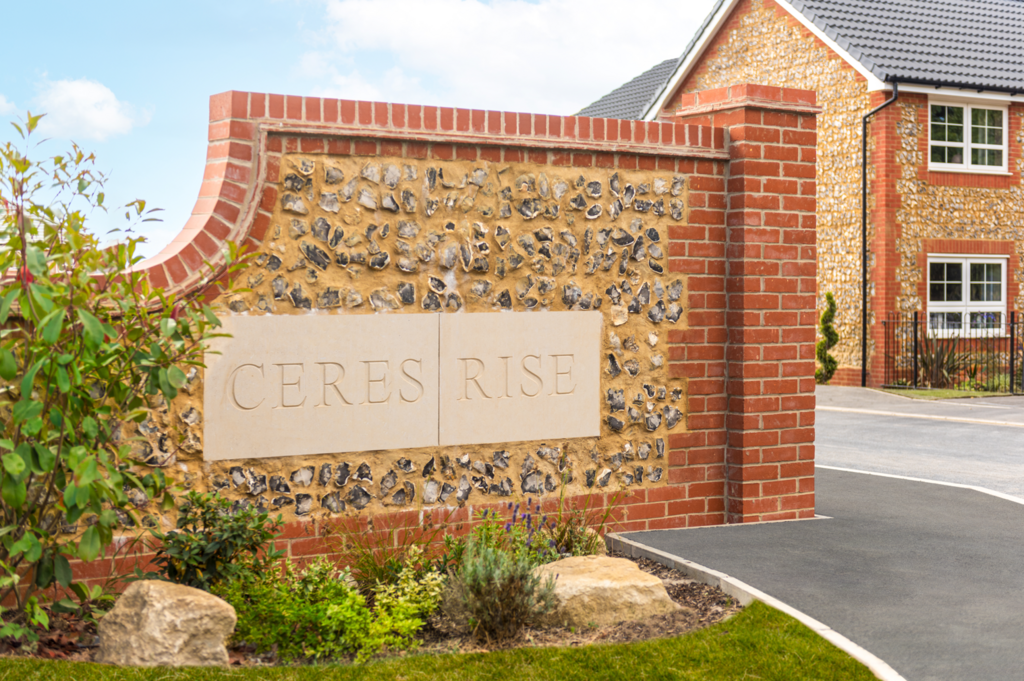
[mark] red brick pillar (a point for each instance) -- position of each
(770, 268)
(883, 230)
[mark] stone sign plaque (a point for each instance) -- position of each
(320, 384)
(509, 377)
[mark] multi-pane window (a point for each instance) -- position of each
(966, 137)
(966, 293)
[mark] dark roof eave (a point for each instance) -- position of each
(953, 84)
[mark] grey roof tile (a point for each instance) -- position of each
(974, 44)
(631, 101)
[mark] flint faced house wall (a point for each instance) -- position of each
(450, 309)
(761, 43)
(912, 211)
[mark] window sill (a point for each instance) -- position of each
(971, 171)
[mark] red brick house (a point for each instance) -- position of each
(945, 203)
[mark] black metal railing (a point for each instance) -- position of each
(986, 354)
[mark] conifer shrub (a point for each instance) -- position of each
(827, 364)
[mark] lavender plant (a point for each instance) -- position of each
(523, 534)
(497, 593)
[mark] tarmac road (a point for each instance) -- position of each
(930, 578)
(971, 453)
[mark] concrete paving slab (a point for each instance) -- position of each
(927, 577)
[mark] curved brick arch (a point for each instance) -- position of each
(249, 131)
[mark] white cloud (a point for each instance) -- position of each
(85, 109)
(555, 56)
(5, 106)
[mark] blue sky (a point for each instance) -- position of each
(131, 81)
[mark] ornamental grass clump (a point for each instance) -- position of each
(577, 527)
(379, 551)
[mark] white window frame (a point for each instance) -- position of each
(966, 306)
(967, 166)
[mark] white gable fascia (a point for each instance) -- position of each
(684, 68)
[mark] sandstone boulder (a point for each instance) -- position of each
(598, 590)
(162, 624)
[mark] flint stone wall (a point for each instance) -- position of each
(387, 235)
(363, 210)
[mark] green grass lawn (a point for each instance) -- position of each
(941, 393)
(757, 643)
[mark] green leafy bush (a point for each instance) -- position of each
(496, 593)
(829, 338)
(316, 613)
(86, 347)
(214, 544)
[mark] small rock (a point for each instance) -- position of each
(367, 199)
(359, 497)
(501, 459)
(332, 502)
(465, 489)
(162, 624)
(407, 293)
(672, 416)
(294, 204)
(333, 175)
(303, 476)
(431, 491)
(387, 483)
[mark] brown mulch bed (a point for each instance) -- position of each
(73, 640)
(69, 638)
(702, 606)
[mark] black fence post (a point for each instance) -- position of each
(1013, 350)
(915, 349)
